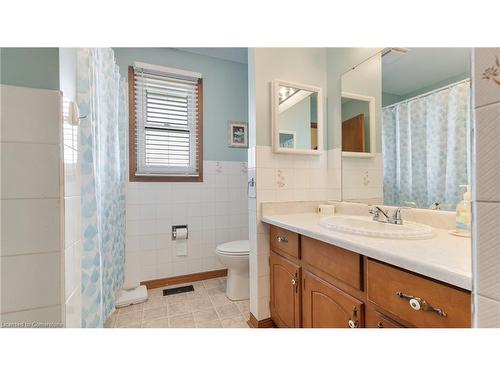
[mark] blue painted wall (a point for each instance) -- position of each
(225, 92)
(30, 67)
(388, 99)
(68, 72)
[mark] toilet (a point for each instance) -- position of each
(234, 255)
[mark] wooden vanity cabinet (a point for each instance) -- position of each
(285, 292)
(318, 285)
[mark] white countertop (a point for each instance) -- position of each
(443, 257)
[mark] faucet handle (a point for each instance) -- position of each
(372, 209)
(396, 216)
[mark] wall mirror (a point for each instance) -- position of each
(412, 148)
(297, 118)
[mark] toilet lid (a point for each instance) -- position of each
(236, 247)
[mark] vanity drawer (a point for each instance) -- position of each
(375, 319)
(396, 291)
(341, 264)
(284, 240)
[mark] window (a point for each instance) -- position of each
(166, 125)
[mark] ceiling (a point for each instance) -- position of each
(238, 55)
(403, 73)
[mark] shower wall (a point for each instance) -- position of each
(72, 194)
(31, 190)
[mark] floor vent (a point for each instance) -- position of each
(179, 289)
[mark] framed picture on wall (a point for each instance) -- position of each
(237, 133)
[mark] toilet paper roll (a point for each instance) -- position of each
(180, 243)
(181, 234)
(325, 210)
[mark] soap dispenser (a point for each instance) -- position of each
(463, 218)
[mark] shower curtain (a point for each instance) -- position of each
(425, 144)
(102, 99)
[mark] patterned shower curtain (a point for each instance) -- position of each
(102, 99)
(425, 144)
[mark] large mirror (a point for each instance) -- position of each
(297, 118)
(405, 126)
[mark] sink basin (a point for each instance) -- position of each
(365, 226)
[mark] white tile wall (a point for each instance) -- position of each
(488, 312)
(485, 90)
(30, 226)
(362, 179)
(487, 239)
(284, 178)
(72, 225)
(31, 255)
(39, 175)
(486, 191)
(215, 211)
(487, 156)
(34, 316)
(31, 281)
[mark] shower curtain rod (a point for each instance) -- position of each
(429, 93)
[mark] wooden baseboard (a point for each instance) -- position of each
(265, 323)
(158, 283)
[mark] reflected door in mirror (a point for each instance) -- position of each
(353, 134)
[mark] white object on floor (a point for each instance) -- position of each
(132, 296)
(132, 280)
(234, 255)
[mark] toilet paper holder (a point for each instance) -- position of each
(174, 231)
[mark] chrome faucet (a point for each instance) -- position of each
(376, 211)
(395, 218)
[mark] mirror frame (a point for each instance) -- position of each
(275, 139)
(373, 136)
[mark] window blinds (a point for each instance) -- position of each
(166, 118)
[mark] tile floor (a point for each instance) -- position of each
(206, 307)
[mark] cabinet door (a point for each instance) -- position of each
(325, 306)
(285, 292)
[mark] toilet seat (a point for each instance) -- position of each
(234, 248)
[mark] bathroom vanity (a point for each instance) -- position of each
(315, 283)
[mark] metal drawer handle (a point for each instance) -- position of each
(282, 239)
(417, 303)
